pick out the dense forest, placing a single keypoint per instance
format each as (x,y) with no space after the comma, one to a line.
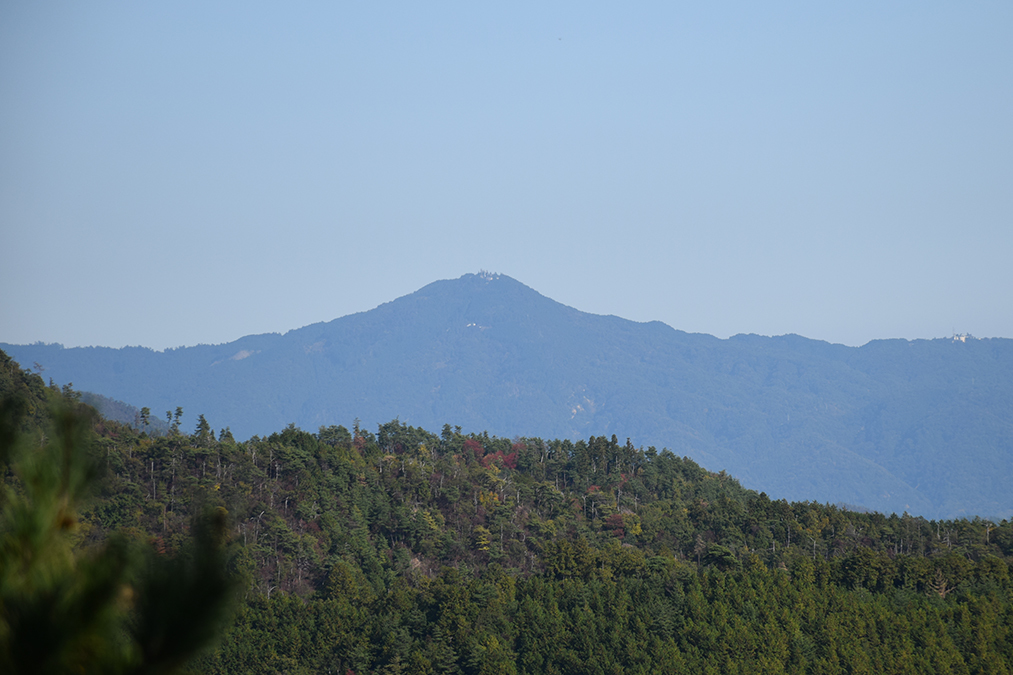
(403,550)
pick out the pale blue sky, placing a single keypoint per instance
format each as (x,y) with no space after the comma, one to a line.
(196,172)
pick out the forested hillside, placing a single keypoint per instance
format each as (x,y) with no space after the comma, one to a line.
(408,551)
(922,426)
(73,602)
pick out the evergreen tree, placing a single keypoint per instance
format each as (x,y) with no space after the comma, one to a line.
(116,606)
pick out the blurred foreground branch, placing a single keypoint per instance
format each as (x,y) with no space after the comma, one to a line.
(116,608)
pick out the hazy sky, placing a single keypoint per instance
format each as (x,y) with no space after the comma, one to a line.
(178,173)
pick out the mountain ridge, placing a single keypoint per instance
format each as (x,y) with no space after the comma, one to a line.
(799,418)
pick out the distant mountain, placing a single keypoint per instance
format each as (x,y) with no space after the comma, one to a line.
(923,426)
(125,413)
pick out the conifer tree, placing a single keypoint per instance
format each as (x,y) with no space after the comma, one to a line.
(116,608)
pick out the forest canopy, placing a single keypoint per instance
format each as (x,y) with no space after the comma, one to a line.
(404,550)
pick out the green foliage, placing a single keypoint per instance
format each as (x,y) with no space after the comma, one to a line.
(110,606)
(407,551)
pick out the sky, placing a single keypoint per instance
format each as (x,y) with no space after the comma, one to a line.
(190,172)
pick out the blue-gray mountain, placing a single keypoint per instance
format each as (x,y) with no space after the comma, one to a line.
(922,426)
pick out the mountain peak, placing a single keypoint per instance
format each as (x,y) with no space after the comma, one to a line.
(485,278)
(488,353)
(485,289)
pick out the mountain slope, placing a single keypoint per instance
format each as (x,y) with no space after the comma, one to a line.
(923,426)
